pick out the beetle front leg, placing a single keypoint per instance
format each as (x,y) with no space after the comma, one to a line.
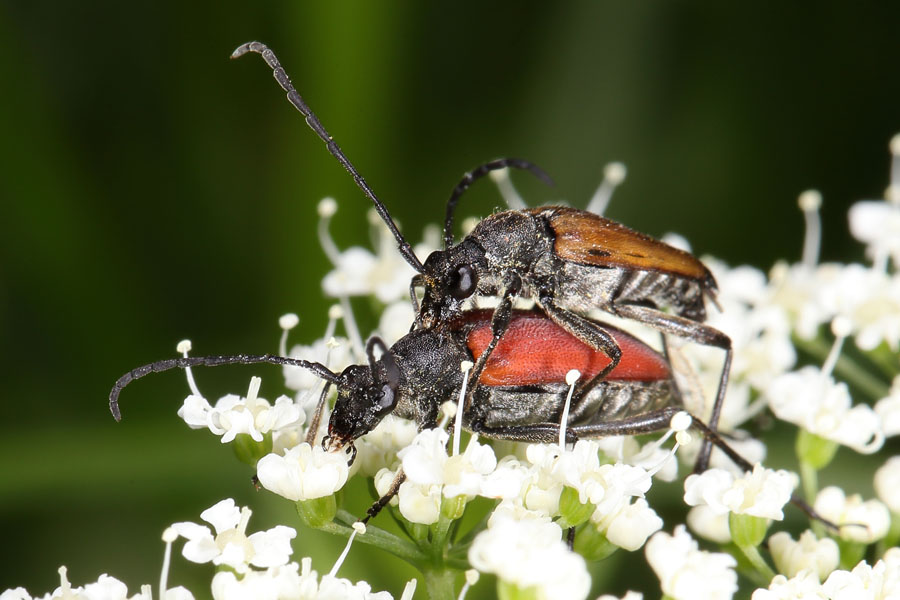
(499,325)
(697,332)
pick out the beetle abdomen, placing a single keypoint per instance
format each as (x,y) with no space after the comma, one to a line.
(537,351)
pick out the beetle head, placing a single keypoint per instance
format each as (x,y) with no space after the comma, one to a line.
(451,277)
(365,396)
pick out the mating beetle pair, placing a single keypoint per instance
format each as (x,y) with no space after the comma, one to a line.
(569,262)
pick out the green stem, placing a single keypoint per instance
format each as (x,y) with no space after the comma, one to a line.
(846,368)
(756,559)
(379,538)
(440,583)
(809,478)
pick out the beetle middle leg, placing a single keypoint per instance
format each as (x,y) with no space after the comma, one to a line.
(700,333)
(589,332)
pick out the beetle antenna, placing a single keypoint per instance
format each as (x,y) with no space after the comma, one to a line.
(312,120)
(476,174)
(212,361)
(392,371)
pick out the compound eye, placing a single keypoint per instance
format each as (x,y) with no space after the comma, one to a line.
(386,398)
(463,282)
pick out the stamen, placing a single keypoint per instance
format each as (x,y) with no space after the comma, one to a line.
(327,208)
(571,377)
(448,409)
(810,201)
(471,579)
(679,425)
(409,589)
(253,391)
(147,592)
(352,330)
(335,314)
(358,527)
(504,184)
(64,582)
(305,566)
(613,175)
(841,327)
(286,322)
(183,347)
(893,192)
(465,366)
(168,536)
(245,519)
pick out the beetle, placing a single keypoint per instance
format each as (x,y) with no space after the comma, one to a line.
(568,261)
(520,395)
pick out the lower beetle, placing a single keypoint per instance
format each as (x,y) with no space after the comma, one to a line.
(520,395)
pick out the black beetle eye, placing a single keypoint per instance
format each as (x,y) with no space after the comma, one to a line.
(463,281)
(386,401)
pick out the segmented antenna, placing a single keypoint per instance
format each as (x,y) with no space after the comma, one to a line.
(212,361)
(312,120)
(476,174)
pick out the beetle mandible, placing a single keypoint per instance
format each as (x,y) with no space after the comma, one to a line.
(568,261)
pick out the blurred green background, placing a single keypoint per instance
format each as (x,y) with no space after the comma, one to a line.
(152,190)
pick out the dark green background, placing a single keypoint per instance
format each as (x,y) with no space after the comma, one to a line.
(153,190)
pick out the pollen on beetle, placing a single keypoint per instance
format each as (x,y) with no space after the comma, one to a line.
(183,347)
(288,321)
(327,207)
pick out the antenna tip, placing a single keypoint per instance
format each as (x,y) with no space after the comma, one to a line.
(242,50)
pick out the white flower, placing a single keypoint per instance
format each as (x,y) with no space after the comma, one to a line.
(378,448)
(627,596)
(395,320)
(821,406)
(820,557)
(336,356)
(507,481)
(425,462)
(760,493)
(303,473)
(280,583)
(530,553)
(864,522)
(888,410)
(105,588)
(630,526)
(231,546)
(710,524)
(877,224)
(685,572)
(878,582)
(233,415)
(420,503)
(887,484)
(804,586)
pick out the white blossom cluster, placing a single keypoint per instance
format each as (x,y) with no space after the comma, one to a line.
(789,329)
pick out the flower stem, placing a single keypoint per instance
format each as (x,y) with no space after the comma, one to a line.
(440,583)
(379,538)
(809,477)
(846,368)
(756,559)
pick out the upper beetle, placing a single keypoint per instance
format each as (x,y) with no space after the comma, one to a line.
(568,261)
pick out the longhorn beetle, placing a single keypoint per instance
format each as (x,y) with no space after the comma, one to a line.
(519,396)
(568,261)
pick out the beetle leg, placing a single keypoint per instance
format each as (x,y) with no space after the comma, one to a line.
(379,504)
(698,332)
(538,433)
(416,282)
(589,332)
(499,325)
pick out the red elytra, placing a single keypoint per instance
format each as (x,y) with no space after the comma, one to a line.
(535,350)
